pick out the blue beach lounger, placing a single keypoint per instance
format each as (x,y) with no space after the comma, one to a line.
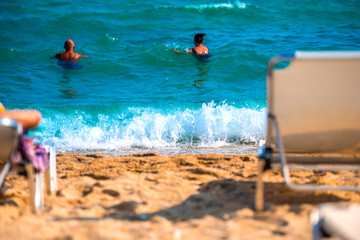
(313,120)
(15,156)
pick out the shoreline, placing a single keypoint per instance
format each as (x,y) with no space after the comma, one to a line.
(243,149)
(153,196)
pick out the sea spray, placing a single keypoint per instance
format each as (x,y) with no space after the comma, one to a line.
(212,125)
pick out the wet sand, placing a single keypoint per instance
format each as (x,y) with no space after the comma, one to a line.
(151,196)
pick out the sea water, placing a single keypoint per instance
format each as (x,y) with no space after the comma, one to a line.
(133,93)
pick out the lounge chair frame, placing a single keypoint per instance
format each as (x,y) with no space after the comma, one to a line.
(35,179)
(274,152)
(17,130)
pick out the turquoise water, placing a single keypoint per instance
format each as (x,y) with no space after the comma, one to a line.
(134,93)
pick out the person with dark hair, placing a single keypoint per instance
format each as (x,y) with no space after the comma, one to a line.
(69,54)
(199,49)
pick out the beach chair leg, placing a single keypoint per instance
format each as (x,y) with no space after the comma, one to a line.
(30,174)
(36,196)
(315,221)
(4,172)
(39,190)
(50,173)
(259,194)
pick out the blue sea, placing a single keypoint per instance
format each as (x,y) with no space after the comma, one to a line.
(134,94)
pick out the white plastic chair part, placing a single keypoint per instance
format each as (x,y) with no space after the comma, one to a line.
(50,174)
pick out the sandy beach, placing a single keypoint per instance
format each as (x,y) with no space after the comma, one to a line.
(151,196)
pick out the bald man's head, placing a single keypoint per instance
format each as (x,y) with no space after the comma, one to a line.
(69,44)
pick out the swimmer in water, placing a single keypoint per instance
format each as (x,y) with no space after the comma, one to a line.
(69,54)
(199,49)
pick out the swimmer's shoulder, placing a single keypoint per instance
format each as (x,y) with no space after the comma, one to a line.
(203,51)
(207,51)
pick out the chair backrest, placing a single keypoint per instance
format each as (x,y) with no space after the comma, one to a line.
(316,102)
(10,132)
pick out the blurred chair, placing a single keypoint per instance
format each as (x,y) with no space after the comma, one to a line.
(313,120)
(334,220)
(13,158)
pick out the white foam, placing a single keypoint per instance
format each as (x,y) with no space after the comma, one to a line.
(213,125)
(224,5)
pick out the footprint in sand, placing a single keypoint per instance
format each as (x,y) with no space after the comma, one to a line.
(111,192)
